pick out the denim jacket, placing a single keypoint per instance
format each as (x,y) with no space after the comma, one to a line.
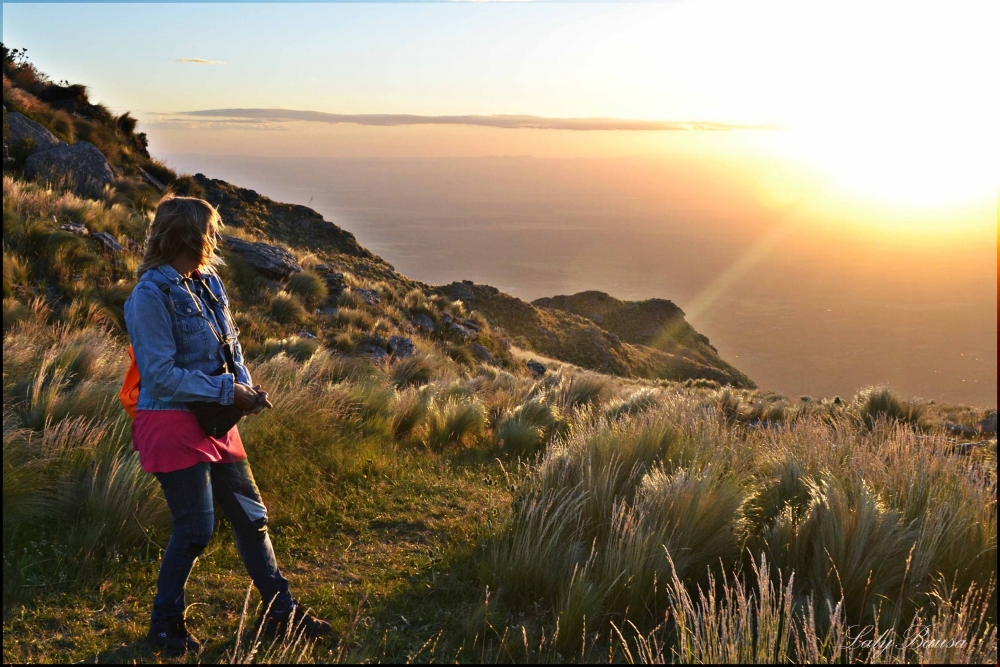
(175,334)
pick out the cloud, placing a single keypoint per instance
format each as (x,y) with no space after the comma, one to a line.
(198,61)
(500,121)
(212,124)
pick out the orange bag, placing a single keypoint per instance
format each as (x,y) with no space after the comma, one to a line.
(129,395)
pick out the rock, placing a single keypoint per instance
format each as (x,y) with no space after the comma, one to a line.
(82,162)
(369,296)
(376,352)
(75,228)
(481,353)
(270,260)
(969,448)
(471,324)
(335,281)
(152,180)
(401,347)
(989,425)
(960,429)
(329,311)
(306,334)
(108,242)
(21,128)
(537,367)
(462,291)
(423,322)
(461,331)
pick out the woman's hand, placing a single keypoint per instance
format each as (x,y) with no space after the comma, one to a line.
(244,397)
(262,401)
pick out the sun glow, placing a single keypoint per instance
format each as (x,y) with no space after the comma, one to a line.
(896,169)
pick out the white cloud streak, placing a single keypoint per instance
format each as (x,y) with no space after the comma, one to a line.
(498,121)
(198,61)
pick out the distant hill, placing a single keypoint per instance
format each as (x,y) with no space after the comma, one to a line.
(654,323)
(648,339)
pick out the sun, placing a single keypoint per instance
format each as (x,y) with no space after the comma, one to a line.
(901,170)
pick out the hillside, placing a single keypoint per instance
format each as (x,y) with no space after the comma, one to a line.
(654,322)
(583,337)
(430,490)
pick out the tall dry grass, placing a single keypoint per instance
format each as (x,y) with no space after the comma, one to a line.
(678,512)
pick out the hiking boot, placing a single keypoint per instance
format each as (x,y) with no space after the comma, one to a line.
(298,620)
(172,637)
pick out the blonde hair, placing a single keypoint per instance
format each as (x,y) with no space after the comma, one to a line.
(182,224)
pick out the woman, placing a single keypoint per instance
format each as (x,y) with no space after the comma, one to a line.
(187,351)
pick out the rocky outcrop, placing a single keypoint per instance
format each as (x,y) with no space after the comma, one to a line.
(109,244)
(83,163)
(23,131)
(989,424)
(335,281)
(369,296)
(375,351)
(74,228)
(270,260)
(423,322)
(481,353)
(537,367)
(401,347)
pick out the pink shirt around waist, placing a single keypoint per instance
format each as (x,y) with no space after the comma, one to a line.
(169,440)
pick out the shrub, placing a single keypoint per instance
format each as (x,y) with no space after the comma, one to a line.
(186,186)
(525,430)
(159,171)
(308,286)
(453,422)
(13,312)
(324,367)
(113,299)
(356,318)
(767,411)
(881,403)
(136,195)
(584,389)
(461,354)
(79,484)
(413,371)
(246,279)
(296,347)
(15,273)
(639,402)
(410,409)
(287,309)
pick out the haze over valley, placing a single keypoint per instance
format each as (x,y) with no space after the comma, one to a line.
(802,301)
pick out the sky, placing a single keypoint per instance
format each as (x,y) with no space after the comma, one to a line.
(912,85)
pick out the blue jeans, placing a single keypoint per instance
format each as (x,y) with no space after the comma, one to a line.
(191,494)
